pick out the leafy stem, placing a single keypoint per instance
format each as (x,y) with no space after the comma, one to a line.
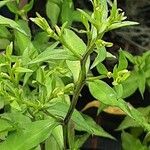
(79,85)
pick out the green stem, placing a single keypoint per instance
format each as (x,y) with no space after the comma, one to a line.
(78,87)
(51,115)
(65,133)
(96,78)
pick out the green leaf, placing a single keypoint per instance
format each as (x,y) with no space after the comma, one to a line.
(110,56)
(131,143)
(1,102)
(76,16)
(37,148)
(9,50)
(22,41)
(3,135)
(96,129)
(60,109)
(52,54)
(52,11)
(4,2)
(75,68)
(123,63)
(121,24)
(129,56)
(104,9)
(34,134)
(130,85)
(5,125)
(55,141)
(41,41)
(23,70)
(15,105)
(4,43)
(87,16)
(17,119)
(13,7)
(119,90)
(51,144)
(67,12)
(101,55)
(11,23)
(102,69)
(129,122)
(103,92)
(74,43)
(57,133)
(4,32)
(28,6)
(141,82)
(80,140)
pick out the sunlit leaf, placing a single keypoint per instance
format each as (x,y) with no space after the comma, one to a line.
(121,24)
(52,54)
(129,142)
(11,23)
(74,43)
(52,11)
(35,133)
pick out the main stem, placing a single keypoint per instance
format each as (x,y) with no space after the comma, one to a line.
(79,85)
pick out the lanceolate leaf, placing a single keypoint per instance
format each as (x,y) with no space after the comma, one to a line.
(21,69)
(36,133)
(96,129)
(11,23)
(75,44)
(4,32)
(104,93)
(123,63)
(141,82)
(130,85)
(4,43)
(52,11)
(102,69)
(121,24)
(22,41)
(80,140)
(129,122)
(101,55)
(105,9)
(5,125)
(75,68)
(4,2)
(52,54)
(60,109)
(51,144)
(129,142)
(82,123)
(57,133)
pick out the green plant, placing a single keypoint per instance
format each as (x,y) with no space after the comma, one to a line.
(140,76)
(136,133)
(42,75)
